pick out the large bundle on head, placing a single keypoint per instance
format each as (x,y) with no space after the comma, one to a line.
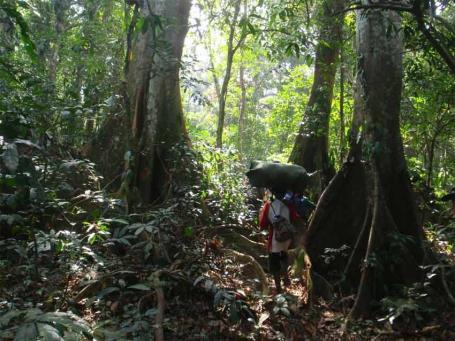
(280,176)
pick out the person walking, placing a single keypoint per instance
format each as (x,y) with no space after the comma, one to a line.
(271,211)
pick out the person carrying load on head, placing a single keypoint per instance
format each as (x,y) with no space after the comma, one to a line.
(278,217)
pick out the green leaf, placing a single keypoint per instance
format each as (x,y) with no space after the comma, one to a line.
(188,231)
(92,237)
(32,314)
(124,241)
(140,286)
(11,157)
(139,24)
(14,14)
(10,315)
(116,220)
(251,28)
(150,228)
(67,321)
(151,312)
(10,219)
(107,291)
(48,332)
(145,25)
(308,60)
(285,312)
(280,299)
(139,231)
(234,314)
(27,331)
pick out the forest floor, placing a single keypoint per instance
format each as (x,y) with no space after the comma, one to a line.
(162,274)
(202,293)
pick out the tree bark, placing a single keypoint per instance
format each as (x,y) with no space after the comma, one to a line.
(342,118)
(232,48)
(216,81)
(311,147)
(7,37)
(242,110)
(373,179)
(60,8)
(431,149)
(153,92)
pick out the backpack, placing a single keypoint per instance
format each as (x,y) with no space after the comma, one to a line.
(282,228)
(303,206)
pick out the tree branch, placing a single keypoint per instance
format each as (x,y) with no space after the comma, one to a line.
(383,6)
(426,29)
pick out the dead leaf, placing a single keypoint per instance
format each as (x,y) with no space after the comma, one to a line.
(310,328)
(115,307)
(264,316)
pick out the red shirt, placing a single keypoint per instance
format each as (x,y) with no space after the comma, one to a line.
(264,221)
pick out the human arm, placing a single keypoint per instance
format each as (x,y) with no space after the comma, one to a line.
(263,216)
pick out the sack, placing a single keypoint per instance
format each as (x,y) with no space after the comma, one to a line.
(282,228)
(278,176)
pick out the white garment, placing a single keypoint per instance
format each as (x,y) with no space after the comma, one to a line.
(278,208)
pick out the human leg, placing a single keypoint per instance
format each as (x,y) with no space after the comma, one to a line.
(275,268)
(284,264)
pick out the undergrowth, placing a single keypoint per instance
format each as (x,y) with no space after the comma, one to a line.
(75,265)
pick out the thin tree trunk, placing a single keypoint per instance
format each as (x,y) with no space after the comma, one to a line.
(61,8)
(231,49)
(216,81)
(7,37)
(242,108)
(311,147)
(431,160)
(342,118)
(439,128)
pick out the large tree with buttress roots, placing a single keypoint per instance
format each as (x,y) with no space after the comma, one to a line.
(364,233)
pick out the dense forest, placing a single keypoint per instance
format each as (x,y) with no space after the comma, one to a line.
(140,140)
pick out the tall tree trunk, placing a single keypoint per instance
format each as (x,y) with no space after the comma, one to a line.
(7,37)
(60,8)
(242,108)
(369,205)
(153,90)
(311,147)
(216,81)
(431,149)
(342,116)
